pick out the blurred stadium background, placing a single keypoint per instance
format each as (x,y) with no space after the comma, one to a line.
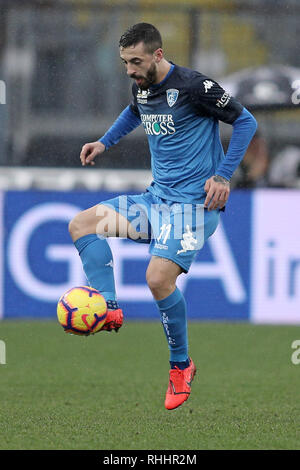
(62,85)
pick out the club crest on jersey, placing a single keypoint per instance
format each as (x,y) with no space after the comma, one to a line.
(172,95)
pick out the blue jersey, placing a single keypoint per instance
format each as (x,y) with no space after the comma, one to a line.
(180,116)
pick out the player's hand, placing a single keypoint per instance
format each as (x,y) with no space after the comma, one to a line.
(90,151)
(217,189)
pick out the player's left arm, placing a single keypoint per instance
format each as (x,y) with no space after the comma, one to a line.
(212,100)
(217,187)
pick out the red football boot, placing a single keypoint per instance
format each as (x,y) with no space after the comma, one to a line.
(114,320)
(179,388)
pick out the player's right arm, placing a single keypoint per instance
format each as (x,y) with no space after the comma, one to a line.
(90,151)
(128,120)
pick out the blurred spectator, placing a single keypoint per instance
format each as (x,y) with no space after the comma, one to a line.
(252,171)
(285,168)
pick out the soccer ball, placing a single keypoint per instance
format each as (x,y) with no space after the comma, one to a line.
(82,311)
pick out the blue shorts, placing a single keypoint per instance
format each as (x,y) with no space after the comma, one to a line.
(176,231)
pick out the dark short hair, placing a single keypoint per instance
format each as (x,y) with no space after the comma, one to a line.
(142,32)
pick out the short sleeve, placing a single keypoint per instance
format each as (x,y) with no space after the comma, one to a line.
(210,99)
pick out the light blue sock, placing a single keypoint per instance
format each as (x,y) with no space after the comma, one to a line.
(174,320)
(97,262)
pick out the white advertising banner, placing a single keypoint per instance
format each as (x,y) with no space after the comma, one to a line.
(249,270)
(1,256)
(275,263)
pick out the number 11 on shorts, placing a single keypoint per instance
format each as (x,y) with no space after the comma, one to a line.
(165,230)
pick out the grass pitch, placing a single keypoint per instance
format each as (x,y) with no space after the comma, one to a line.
(107,391)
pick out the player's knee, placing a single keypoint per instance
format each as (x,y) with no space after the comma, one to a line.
(157,282)
(76,227)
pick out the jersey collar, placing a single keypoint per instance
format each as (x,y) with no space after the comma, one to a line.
(155,86)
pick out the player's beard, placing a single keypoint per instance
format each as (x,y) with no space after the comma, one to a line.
(149,79)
